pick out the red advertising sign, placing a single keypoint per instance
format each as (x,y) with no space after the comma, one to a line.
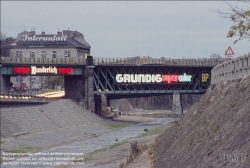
(22,70)
(64,70)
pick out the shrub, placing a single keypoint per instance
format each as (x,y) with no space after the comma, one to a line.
(232,103)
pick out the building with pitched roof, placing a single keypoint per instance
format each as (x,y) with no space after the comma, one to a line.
(65,44)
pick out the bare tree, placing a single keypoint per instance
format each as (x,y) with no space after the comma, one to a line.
(3,37)
(241,19)
(4,49)
(215,56)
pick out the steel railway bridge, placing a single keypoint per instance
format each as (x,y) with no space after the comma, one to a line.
(115,77)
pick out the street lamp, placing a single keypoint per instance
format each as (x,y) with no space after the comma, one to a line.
(30,85)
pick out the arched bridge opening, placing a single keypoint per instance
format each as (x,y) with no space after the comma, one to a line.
(36,80)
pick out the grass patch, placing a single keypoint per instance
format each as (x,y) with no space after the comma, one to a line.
(151,150)
(232,103)
(48,90)
(151,132)
(239,80)
(117,126)
(108,147)
(117,144)
(136,149)
(26,149)
(226,92)
(1,142)
(83,159)
(243,88)
(122,165)
(98,150)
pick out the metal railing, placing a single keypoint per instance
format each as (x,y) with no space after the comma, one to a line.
(57,61)
(25,97)
(149,61)
(112,61)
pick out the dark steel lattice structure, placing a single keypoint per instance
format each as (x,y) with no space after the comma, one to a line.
(105,80)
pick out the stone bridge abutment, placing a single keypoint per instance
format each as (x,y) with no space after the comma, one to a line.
(5,84)
(81,88)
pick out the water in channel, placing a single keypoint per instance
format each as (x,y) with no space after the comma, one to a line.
(66,153)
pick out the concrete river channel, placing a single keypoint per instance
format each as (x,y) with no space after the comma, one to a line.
(65,154)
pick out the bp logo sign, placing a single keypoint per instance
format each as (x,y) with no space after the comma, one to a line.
(205,78)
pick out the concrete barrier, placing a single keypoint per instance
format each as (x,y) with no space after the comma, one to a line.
(238,68)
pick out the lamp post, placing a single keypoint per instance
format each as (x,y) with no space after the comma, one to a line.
(41,82)
(30,85)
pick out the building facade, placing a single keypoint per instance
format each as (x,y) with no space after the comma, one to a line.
(60,45)
(65,44)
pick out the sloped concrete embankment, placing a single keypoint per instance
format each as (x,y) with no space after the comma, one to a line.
(215,132)
(27,118)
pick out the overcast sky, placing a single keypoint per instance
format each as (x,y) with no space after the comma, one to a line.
(171,29)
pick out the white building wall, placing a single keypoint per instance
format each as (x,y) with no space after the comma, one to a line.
(37,51)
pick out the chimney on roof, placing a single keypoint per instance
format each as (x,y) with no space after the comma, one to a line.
(32,33)
(43,33)
(9,40)
(59,33)
(66,32)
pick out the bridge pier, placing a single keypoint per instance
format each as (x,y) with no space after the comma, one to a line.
(74,86)
(89,97)
(81,88)
(98,102)
(5,84)
(176,106)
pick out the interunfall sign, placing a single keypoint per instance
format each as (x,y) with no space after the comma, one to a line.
(152,78)
(44,38)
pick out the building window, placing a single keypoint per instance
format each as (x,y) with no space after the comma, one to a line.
(43,54)
(19,53)
(85,55)
(67,54)
(53,54)
(32,54)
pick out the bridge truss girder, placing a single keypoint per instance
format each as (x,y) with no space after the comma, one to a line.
(105,82)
